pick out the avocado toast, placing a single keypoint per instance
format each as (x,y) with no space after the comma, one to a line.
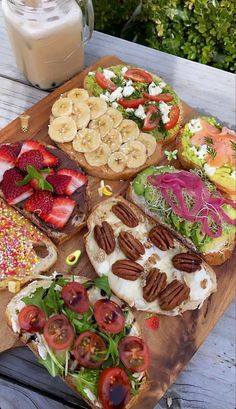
(189,204)
(141,96)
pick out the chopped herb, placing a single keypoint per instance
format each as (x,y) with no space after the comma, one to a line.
(209,140)
(234,147)
(211,151)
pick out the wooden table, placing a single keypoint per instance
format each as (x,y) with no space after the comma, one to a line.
(208,382)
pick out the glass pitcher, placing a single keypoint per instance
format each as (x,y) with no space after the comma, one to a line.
(48,36)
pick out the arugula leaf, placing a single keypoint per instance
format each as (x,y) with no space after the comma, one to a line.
(49,300)
(82,322)
(103,283)
(112,349)
(36,299)
(49,364)
(87,378)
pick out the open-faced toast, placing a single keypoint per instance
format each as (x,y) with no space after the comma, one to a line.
(141,96)
(85,373)
(207,226)
(46,186)
(25,252)
(145,264)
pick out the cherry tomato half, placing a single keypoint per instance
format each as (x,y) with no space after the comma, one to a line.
(31,318)
(109,316)
(90,350)
(75,297)
(152,120)
(158,98)
(104,82)
(134,353)
(131,103)
(138,75)
(174,116)
(113,388)
(58,332)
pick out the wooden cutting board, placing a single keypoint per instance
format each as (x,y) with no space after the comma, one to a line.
(178,338)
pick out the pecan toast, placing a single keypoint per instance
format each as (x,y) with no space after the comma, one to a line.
(146,264)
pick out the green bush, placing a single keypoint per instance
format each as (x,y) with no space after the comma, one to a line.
(200,30)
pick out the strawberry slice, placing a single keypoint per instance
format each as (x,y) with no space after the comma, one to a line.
(49,160)
(13,193)
(153,322)
(40,202)
(60,183)
(7,159)
(60,213)
(33,158)
(77,180)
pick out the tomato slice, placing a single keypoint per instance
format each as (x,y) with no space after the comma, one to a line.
(104,82)
(75,297)
(158,98)
(109,316)
(152,119)
(31,318)
(174,116)
(90,350)
(58,332)
(134,353)
(138,75)
(113,388)
(131,103)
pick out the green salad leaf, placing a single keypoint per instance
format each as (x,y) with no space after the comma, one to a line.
(103,283)
(87,378)
(81,322)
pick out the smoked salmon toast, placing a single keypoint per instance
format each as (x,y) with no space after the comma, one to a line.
(204,144)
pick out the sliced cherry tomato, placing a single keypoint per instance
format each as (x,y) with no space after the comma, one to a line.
(131,103)
(134,353)
(90,350)
(75,297)
(152,119)
(109,316)
(158,98)
(58,332)
(31,318)
(174,116)
(104,82)
(113,388)
(138,75)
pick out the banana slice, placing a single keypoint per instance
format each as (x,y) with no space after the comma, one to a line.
(149,141)
(113,139)
(117,161)
(129,130)
(98,157)
(78,95)
(97,107)
(81,114)
(87,140)
(135,152)
(115,115)
(62,107)
(62,129)
(103,124)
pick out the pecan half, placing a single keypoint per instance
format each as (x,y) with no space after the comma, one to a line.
(104,237)
(188,262)
(127,269)
(161,238)
(130,246)
(155,283)
(125,214)
(173,295)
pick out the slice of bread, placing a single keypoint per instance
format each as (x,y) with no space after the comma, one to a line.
(131,290)
(16,304)
(27,251)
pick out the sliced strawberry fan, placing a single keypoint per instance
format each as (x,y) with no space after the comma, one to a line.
(60,213)
(7,159)
(49,160)
(13,193)
(77,180)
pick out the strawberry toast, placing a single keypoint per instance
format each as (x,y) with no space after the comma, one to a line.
(45,185)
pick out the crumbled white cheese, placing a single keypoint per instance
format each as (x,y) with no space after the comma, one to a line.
(201,152)
(108,74)
(129,82)
(129,109)
(162,84)
(104,97)
(140,113)
(165,109)
(123,70)
(91,73)
(154,89)
(114,105)
(117,94)
(195,125)
(210,170)
(233,174)
(58,287)
(128,90)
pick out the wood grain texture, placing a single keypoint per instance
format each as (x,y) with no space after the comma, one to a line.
(179,337)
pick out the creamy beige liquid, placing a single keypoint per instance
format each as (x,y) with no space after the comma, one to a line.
(48,50)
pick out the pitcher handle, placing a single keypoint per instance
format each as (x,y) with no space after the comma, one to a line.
(88,18)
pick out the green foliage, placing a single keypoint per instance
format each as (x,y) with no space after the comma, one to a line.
(200,30)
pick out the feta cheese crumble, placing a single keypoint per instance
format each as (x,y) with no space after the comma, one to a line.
(201,152)
(165,109)
(233,174)
(129,109)
(117,94)
(195,125)
(162,84)
(123,70)
(210,170)
(128,90)
(114,105)
(154,89)
(140,113)
(108,74)
(91,73)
